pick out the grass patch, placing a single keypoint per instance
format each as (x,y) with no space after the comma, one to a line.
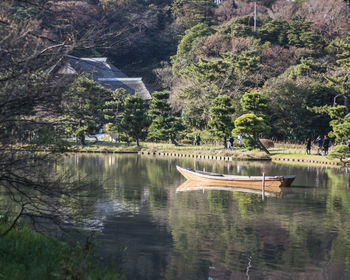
(210,150)
(280,150)
(105,146)
(25,254)
(298,152)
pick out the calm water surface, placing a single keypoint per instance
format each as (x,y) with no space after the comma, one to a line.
(304,234)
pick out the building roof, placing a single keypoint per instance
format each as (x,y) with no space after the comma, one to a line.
(105,74)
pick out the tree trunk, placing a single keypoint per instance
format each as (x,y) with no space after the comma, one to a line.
(173,139)
(225,142)
(82,139)
(262,147)
(346,103)
(137,142)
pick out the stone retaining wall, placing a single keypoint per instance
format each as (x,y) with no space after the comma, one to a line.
(307,161)
(226,158)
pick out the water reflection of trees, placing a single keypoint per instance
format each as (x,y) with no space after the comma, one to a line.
(289,239)
(219,233)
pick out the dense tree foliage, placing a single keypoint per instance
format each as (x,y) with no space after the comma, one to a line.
(164,125)
(133,120)
(286,59)
(220,122)
(34,37)
(254,102)
(83,107)
(252,126)
(297,59)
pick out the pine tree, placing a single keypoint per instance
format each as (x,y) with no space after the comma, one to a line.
(251,125)
(133,121)
(164,124)
(83,106)
(254,102)
(220,121)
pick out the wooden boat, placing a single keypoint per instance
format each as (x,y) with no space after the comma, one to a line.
(272,183)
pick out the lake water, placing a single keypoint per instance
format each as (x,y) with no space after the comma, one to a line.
(304,234)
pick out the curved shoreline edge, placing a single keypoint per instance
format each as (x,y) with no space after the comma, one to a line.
(210,157)
(228,158)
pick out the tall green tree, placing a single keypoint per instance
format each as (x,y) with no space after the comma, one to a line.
(113,109)
(164,125)
(344,53)
(221,122)
(133,120)
(190,13)
(252,126)
(254,102)
(342,83)
(83,106)
(341,127)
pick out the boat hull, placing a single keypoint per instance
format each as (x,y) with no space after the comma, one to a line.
(272,183)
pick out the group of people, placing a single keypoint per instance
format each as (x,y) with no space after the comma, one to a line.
(231,140)
(322,145)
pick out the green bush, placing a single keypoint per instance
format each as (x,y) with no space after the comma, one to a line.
(341,152)
(25,254)
(250,143)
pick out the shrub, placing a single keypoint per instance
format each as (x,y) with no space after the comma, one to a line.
(25,254)
(268,143)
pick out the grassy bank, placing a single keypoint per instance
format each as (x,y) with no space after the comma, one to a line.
(25,254)
(297,151)
(105,146)
(279,151)
(210,150)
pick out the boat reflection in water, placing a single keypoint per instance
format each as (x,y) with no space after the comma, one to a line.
(193,185)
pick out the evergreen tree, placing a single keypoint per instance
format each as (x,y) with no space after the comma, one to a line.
(340,152)
(344,53)
(190,13)
(342,86)
(83,106)
(252,126)
(164,125)
(341,127)
(275,31)
(220,122)
(254,102)
(113,108)
(133,121)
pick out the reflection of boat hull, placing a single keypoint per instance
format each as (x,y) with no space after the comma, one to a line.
(191,185)
(272,183)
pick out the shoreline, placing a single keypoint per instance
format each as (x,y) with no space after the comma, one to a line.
(205,153)
(230,158)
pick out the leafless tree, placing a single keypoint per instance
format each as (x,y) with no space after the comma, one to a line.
(329,17)
(35,36)
(233,8)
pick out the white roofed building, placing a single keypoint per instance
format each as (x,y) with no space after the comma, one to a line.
(103,72)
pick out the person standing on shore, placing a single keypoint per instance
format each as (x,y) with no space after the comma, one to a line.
(325,145)
(240,139)
(318,143)
(230,143)
(198,139)
(308,146)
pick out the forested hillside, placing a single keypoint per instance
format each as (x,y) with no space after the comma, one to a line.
(199,50)
(297,58)
(294,58)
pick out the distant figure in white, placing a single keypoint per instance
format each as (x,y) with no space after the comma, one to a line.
(240,139)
